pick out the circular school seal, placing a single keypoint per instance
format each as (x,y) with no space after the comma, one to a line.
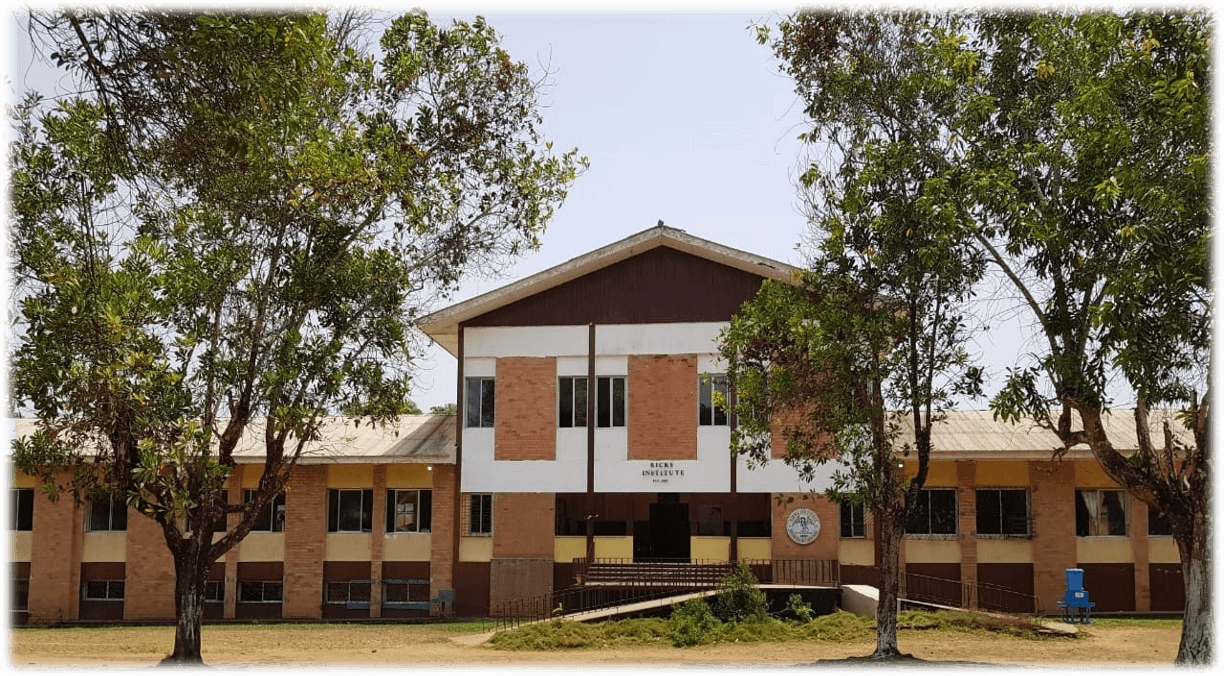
(803,526)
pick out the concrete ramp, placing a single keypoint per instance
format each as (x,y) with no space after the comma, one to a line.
(634,608)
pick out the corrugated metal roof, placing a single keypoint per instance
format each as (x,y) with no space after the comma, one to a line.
(978,433)
(410,439)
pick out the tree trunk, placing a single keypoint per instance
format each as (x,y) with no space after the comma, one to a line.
(891,528)
(190,576)
(1195,647)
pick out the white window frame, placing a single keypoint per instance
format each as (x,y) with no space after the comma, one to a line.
(393,513)
(478,419)
(707,384)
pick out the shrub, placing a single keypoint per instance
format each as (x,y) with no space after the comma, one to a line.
(692,623)
(802,611)
(740,599)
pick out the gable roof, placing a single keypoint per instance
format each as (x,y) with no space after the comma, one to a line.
(443,326)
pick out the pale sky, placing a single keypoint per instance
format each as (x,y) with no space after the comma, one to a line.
(685,119)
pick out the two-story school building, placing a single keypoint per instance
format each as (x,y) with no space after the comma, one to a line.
(587,434)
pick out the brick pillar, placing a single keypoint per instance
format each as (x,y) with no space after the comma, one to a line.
(966,483)
(305,542)
(55,559)
(377,531)
(526,422)
(149,588)
(1140,551)
(231,557)
(662,409)
(444,525)
(1054,546)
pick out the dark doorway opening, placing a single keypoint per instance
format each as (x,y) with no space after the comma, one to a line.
(666,535)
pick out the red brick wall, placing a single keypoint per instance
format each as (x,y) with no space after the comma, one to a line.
(523,525)
(1141,551)
(55,556)
(966,521)
(662,407)
(441,541)
(825,544)
(525,409)
(305,541)
(1053,505)
(149,588)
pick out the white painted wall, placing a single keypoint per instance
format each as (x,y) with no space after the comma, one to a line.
(614,472)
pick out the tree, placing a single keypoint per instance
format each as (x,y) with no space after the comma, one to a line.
(1094,162)
(1075,156)
(237,219)
(446,409)
(870,338)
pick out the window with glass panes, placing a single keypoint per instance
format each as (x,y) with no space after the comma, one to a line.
(1100,512)
(934,513)
(22,516)
(478,402)
(708,411)
(107,514)
(350,510)
(271,519)
(409,510)
(1002,511)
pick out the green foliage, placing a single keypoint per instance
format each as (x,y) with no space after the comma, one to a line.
(241,217)
(700,627)
(692,623)
(801,610)
(740,598)
(445,409)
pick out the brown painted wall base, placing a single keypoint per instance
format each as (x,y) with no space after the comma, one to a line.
(472,589)
(1168,590)
(998,580)
(1111,586)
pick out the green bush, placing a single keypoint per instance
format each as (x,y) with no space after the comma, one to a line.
(692,623)
(802,611)
(740,599)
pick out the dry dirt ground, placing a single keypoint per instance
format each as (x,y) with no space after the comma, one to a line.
(432,646)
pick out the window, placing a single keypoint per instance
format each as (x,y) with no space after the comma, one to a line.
(480,514)
(709,413)
(409,511)
(214,591)
(610,401)
(350,511)
(103,590)
(271,519)
(21,594)
(853,524)
(478,402)
(572,402)
(353,594)
(407,594)
(1158,523)
(1002,512)
(23,509)
(260,592)
(934,513)
(107,514)
(1100,513)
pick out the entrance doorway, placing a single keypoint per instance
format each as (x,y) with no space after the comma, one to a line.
(666,535)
